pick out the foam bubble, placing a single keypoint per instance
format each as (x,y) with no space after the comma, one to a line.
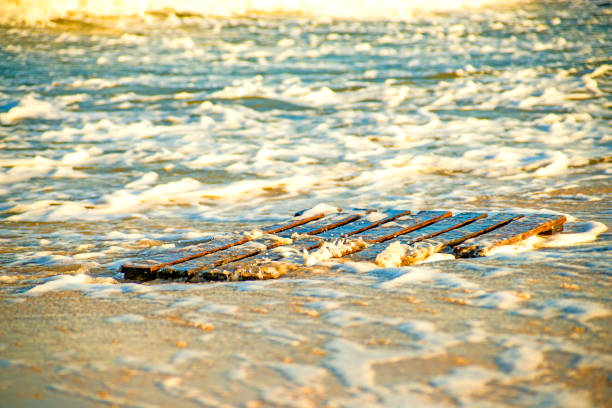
(575,309)
(589,232)
(126,318)
(30,107)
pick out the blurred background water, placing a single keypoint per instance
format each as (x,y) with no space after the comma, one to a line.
(136,126)
(123,127)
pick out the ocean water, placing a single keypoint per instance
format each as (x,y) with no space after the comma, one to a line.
(131,125)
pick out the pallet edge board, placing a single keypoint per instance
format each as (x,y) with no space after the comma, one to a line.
(465,234)
(351,244)
(328,222)
(350,225)
(364,224)
(413,222)
(337,219)
(444,225)
(513,232)
(265,265)
(410,254)
(151,265)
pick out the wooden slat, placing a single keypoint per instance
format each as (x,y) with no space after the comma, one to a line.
(326,223)
(237,252)
(363,224)
(437,228)
(146,267)
(402,225)
(256,264)
(509,234)
(282,247)
(424,248)
(208,266)
(265,265)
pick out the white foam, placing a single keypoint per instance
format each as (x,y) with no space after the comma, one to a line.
(522,361)
(392,255)
(590,231)
(428,341)
(29,107)
(187,356)
(376,216)
(79,282)
(391,278)
(506,300)
(353,363)
(302,374)
(222,309)
(320,208)
(322,293)
(126,318)
(335,249)
(23,11)
(463,381)
(102,286)
(580,310)
(178,43)
(143,182)
(268,329)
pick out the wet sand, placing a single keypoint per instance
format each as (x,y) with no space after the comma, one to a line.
(127,133)
(500,330)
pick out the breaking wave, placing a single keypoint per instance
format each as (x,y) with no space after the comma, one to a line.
(30,12)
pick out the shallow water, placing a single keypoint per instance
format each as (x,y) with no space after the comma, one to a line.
(122,133)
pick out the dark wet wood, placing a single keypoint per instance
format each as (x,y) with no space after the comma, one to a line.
(231,254)
(277,261)
(265,265)
(437,228)
(284,247)
(248,249)
(340,224)
(509,234)
(326,223)
(147,267)
(422,249)
(400,226)
(363,224)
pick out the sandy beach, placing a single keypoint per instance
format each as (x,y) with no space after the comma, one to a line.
(126,132)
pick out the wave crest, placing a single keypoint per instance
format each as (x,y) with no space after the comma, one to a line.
(34,12)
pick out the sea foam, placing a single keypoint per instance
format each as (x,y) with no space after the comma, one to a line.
(31,12)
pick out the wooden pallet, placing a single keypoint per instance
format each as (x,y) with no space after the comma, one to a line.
(359,235)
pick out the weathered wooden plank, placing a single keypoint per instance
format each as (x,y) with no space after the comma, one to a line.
(326,223)
(357,234)
(444,225)
(409,254)
(237,252)
(372,220)
(265,265)
(281,260)
(144,269)
(509,234)
(231,254)
(360,241)
(400,226)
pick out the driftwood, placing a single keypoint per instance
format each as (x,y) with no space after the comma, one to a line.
(360,235)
